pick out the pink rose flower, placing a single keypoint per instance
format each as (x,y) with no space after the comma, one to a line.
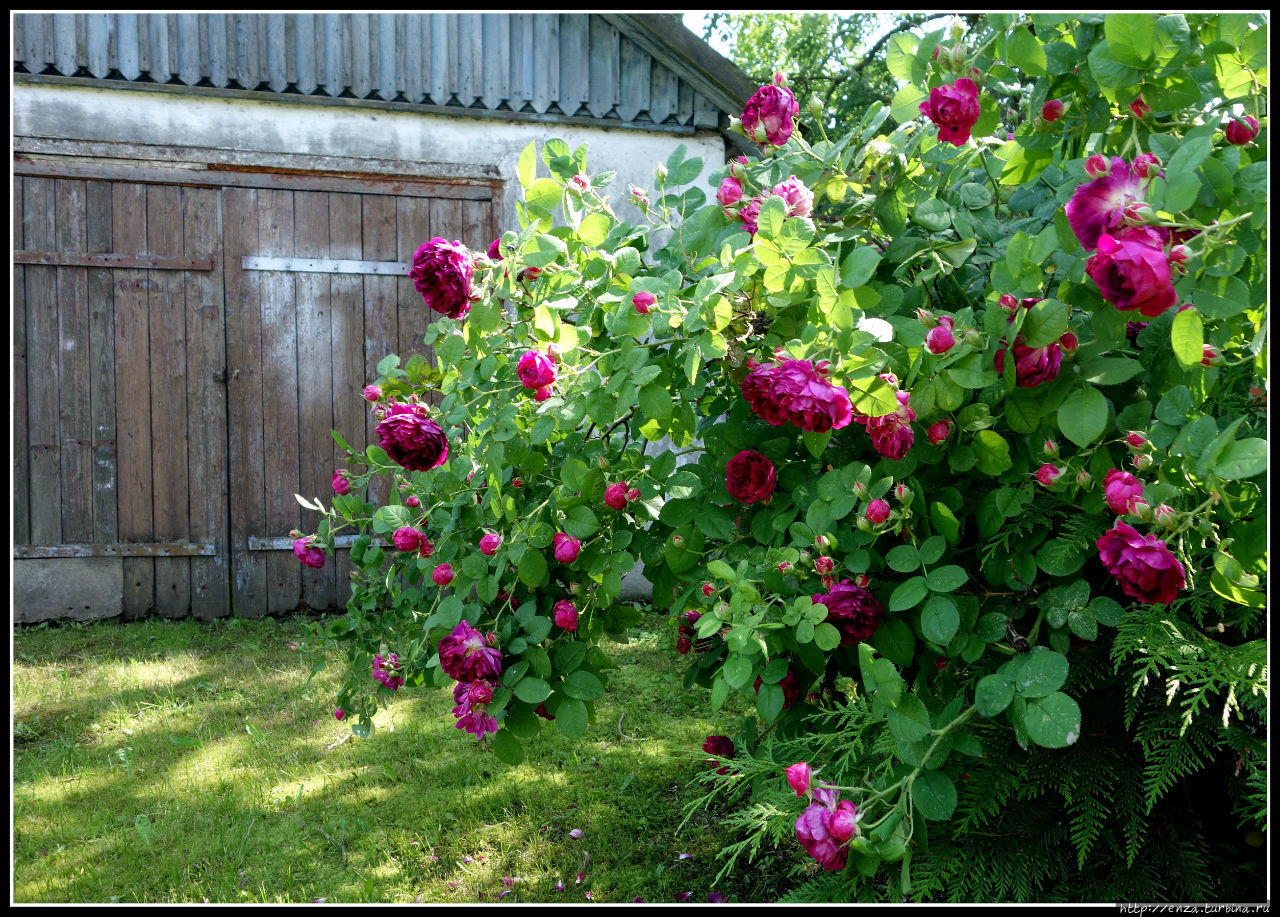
(536,369)
(769,115)
(341,486)
(466,656)
(941,338)
(1048,475)
(1032,365)
(891,434)
(442,272)
(799,198)
(749,214)
(412,439)
(1143,565)
(489,543)
(954,109)
(1121,489)
(811,402)
(565,615)
(470,700)
(406,538)
(387,671)
(938,432)
(826,826)
(799,776)
(1132,272)
(1052,110)
(306,551)
(722,746)
(643,301)
(566,547)
(750,477)
(339,714)
(615,495)
(730,191)
(1240,131)
(372,393)
(877,511)
(442,575)
(1099,206)
(1139,108)
(851,609)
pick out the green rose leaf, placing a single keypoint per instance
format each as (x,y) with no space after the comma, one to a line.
(1083,415)
(583,685)
(993,694)
(571,717)
(909,721)
(934,794)
(507,747)
(532,690)
(1053,721)
(908,594)
(939,619)
(1041,673)
(1188,337)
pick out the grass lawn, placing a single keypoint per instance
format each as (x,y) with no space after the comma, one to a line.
(176,761)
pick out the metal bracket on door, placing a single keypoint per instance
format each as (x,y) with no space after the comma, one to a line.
(324,266)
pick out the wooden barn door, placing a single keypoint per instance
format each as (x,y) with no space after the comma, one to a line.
(120,460)
(317,294)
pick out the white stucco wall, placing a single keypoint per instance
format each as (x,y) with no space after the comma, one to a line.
(173,119)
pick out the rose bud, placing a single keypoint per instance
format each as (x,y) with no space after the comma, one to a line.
(877,511)
(341,485)
(517,483)
(820,542)
(489,543)
(643,301)
(1136,440)
(339,714)
(615,495)
(859,490)
(372,393)
(1096,166)
(633,494)
(442,575)
(784,566)
(1143,462)
(940,339)
(1240,131)
(1068,342)
(1139,108)
(1140,508)
(1211,356)
(824,564)
(406,538)
(1050,448)
(412,502)
(1180,255)
(708,590)
(1165,515)
(862,581)
(939,432)
(798,778)
(903,493)
(1052,110)
(927,318)
(567,548)
(1048,475)
(1084,479)
(565,615)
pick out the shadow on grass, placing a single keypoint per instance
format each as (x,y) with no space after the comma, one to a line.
(213,773)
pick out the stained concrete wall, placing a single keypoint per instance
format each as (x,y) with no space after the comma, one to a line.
(79,588)
(173,119)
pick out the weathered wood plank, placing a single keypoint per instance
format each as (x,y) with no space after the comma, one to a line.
(128,51)
(346,324)
(315,381)
(664,93)
(522,62)
(110,260)
(386,77)
(133,397)
(439,75)
(158,44)
(170,429)
(21,455)
(244,394)
(64,43)
(409,56)
(277,58)
(335,58)
(546,64)
(150,549)
(304,37)
(279,416)
(633,81)
(494,54)
(102,364)
(44,438)
(206,403)
(603,93)
(471,52)
(188,25)
(219,59)
(414,226)
(361,55)
(75,425)
(247,66)
(575,62)
(378,225)
(98,27)
(218,175)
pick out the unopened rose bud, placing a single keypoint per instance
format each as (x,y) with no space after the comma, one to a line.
(903,493)
(824,564)
(372,393)
(412,502)
(643,302)
(1146,165)
(862,580)
(677,540)
(1240,131)
(1143,462)
(859,490)
(1069,342)
(1180,254)
(1084,480)
(877,511)
(784,566)
(1211,356)
(1165,516)
(1052,110)
(972,338)
(927,318)
(660,172)
(633,494)
(1140,508)
(1009,303)
(1139,108)
(820,542)
(581,181)
(708,590)
(1050,448)
(805,557)
(864,525)
(1096,166)
(815,107)
(602,462)
(517,483)
(1136,440)
(1140,213)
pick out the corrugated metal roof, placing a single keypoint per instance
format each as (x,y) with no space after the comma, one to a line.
(549,66)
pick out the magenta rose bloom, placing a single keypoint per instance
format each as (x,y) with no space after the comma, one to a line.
(1032,366)
(441,272)
(495,250)
(730,191)
(1143,565)
(387,671)
(799,198)
(466,656)
(810,401)
(852,610)
(941,338)
(341,486)
(769,115)
(566,547)
(1132,272)
(955,109)
(372,393)
(1120,490)
(536,369)
(413,440)
(749,214)
(750,477)
(406,539)
(760,391)
(877,512)
(305,550)
(1048,475)
(615,495)
(825,828)
(799,776)
(891,434)
(1052,110)
(1240,131)
(643,301)
(565,615)
(442,575)
(470,701)
(722,746)
(939,432)
(489,543)
(1099,206)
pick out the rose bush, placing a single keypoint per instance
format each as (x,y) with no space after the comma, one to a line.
(740,408)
